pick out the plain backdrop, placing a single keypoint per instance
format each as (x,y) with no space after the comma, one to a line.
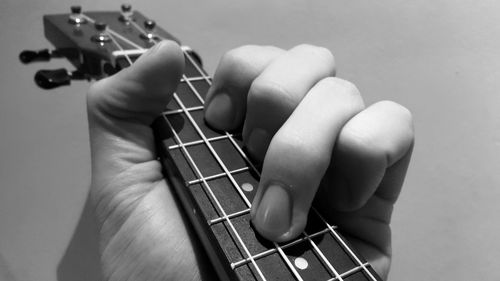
(439,58)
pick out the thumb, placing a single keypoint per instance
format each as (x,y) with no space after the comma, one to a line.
(122,107)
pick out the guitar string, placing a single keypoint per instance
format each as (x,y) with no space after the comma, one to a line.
(227,172)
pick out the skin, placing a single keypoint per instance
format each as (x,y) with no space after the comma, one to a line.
(354,157)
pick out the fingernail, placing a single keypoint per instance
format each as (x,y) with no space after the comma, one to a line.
(219,112)
(257,143)
(274,213)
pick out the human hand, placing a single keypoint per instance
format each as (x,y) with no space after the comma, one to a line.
(315,138)
(143,235)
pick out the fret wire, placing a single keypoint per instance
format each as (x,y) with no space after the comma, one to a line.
(218,175)
(342,242)
(174,146)
(209,189)
(197,67)
(195,92)
(177,111)
(280,251)
(198,78)
(230,216)
(323,258)
(274,250)
(350,271)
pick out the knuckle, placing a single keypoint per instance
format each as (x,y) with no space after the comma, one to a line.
(346,90)
(267,91)
(314,159)
(237,56)
(320,53)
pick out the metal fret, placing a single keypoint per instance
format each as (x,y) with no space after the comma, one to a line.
(192,79)
(344,245)
(198,142)
(177,111)
(274,250)
(230,216)
(217,176)
(350,272)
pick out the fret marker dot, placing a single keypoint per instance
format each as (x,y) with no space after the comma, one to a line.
(301,263)
(247,187)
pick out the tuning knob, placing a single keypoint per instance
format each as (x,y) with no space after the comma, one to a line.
(101,36)
(149,26)
(49,79)
(127,13)
(76,16)
(28,56)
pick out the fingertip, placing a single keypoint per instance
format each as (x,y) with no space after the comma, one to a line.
(162,64)
(220,112)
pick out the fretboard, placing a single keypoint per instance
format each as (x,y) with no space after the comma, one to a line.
(216,183)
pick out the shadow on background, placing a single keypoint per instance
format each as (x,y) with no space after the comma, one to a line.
(81,259)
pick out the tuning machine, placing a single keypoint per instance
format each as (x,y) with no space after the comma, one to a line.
(76,17)
(29,56)
(127,13)
(49,79)
(149,28)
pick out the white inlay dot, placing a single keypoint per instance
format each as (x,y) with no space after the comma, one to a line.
(247,187)
(301,263)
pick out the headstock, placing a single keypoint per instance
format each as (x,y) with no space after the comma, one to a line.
(98,44)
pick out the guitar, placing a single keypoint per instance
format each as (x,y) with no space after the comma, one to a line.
(209,170)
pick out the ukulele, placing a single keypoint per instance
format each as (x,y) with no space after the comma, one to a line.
(209,170)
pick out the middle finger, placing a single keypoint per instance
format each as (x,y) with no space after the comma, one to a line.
(276,92)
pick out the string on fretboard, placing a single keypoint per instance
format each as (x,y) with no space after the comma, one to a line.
(223,180)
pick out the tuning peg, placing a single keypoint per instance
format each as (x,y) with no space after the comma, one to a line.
(149,35)
(76,16)
(28,56)
(101,36)
(127,13)
(49,79)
